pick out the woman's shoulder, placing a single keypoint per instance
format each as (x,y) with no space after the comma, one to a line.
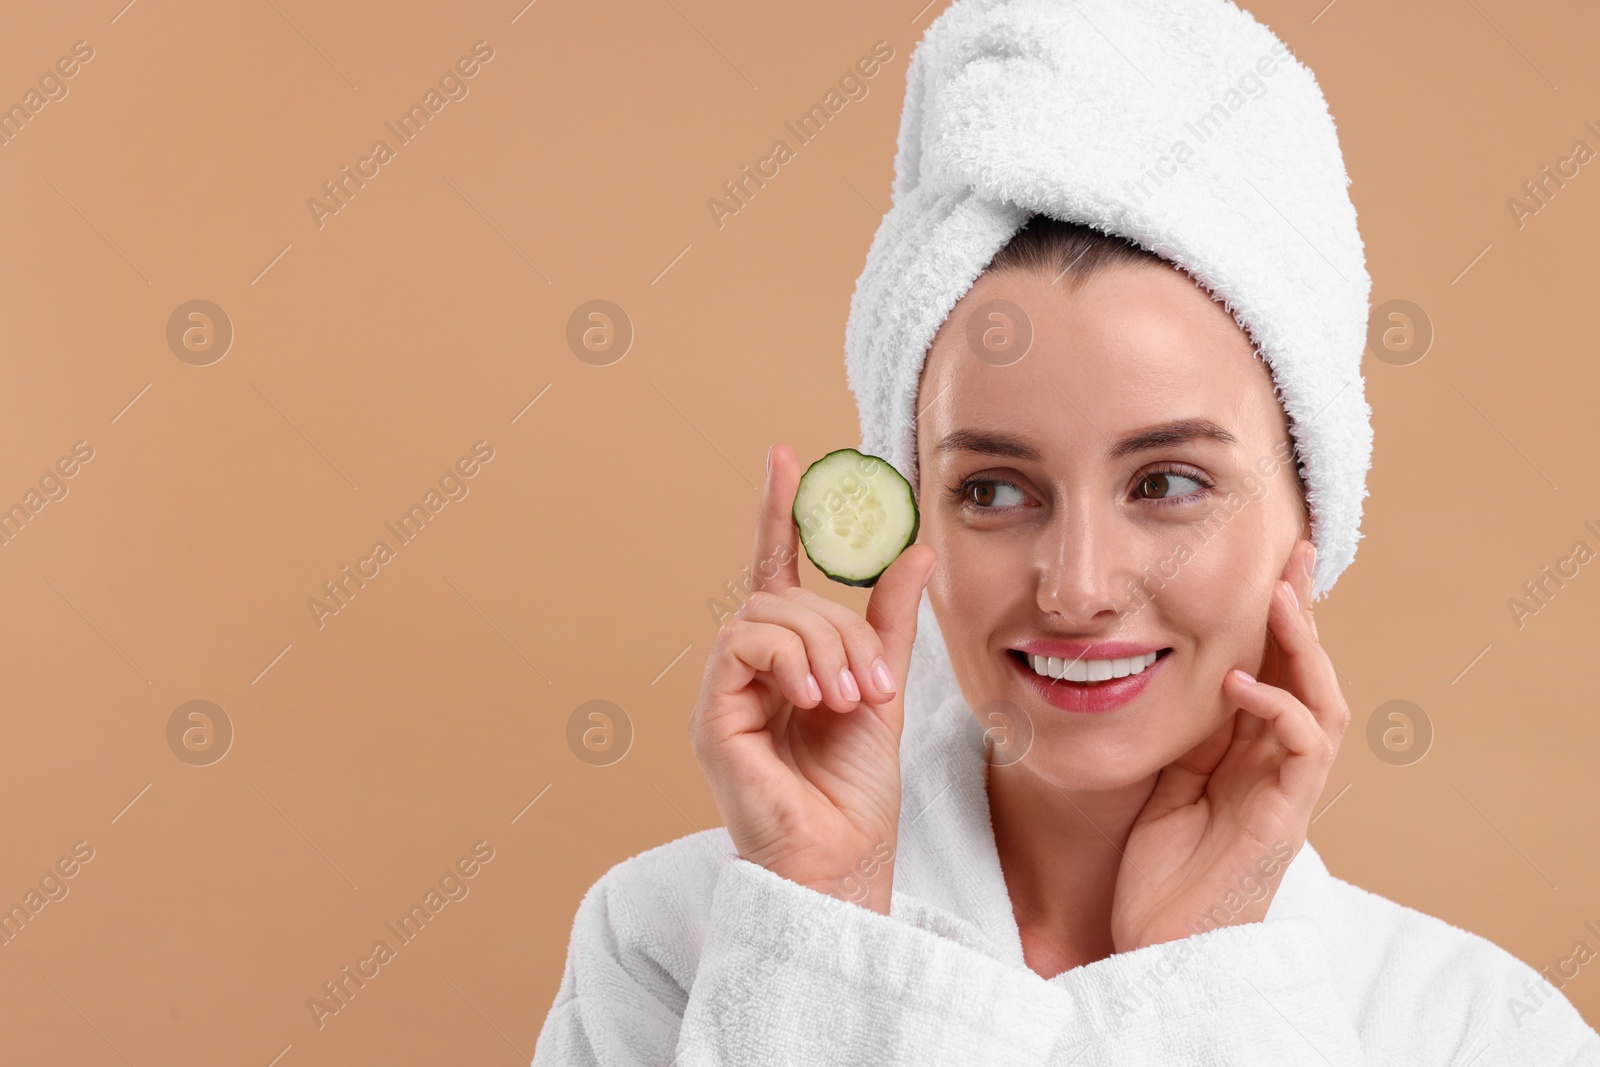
(1450,979)
(677,876)
(1402,941)
(650,910)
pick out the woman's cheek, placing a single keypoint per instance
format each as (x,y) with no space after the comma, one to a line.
(1218,595)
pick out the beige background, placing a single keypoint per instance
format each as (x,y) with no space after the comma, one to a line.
(369,354)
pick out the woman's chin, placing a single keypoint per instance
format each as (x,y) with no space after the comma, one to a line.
(1076,766)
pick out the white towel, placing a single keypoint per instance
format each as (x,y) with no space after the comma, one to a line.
(687,955)
(1065,108)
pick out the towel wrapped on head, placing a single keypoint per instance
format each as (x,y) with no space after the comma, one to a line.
(1185,126)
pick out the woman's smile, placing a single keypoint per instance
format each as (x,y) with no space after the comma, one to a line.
(1081,661)
(1107,684)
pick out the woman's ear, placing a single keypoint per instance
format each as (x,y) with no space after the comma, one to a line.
(1302,532)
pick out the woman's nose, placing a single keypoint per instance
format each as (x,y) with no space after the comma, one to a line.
(1086,567)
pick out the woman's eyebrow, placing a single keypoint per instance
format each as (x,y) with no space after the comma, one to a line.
(988,443)
(997,443)
(1177,432)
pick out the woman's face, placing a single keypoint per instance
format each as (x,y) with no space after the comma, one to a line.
(1070,498)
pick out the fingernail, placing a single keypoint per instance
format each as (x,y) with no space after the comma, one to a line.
(1311,561)
(812,688)
(926,578)
(1294,601)
(769,461)
(881,675)
(1243,677)
(847,682)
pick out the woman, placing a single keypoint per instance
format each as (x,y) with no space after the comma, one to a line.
(1047,802)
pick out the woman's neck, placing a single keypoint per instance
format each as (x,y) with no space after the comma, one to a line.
(1060,852)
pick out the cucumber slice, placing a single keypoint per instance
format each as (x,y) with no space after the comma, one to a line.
(856,514)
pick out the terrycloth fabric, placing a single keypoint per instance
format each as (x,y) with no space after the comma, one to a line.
(687,955)
(1184,125)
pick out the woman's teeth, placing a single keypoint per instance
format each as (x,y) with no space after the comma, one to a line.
(1090,670)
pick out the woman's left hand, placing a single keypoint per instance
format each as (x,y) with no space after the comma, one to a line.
(1225,818)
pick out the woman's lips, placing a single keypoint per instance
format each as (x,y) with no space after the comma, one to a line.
(1094,697)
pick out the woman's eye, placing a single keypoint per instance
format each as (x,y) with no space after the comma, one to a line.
(987,494)
(1168,485)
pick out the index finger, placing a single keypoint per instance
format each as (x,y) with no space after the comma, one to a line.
(774,563)
(1307,668)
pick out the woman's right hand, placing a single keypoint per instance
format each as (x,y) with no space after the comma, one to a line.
(803,761)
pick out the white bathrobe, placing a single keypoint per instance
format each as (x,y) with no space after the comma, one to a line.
(688,955)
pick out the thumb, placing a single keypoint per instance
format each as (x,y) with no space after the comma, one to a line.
(892,608)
